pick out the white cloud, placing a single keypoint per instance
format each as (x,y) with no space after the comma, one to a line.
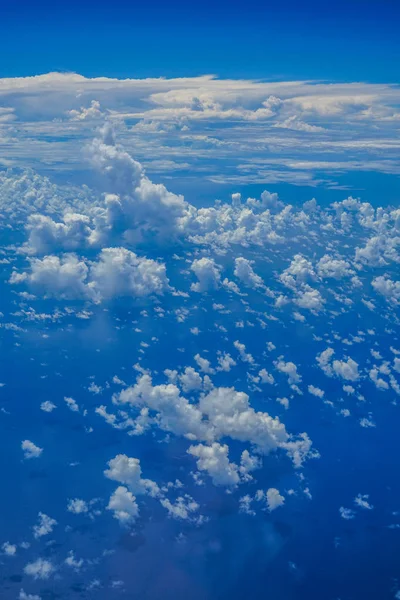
(77,506)
(118,272)
(208,274)
(214,460)
(316,391)
(346,513)
(9,549)
(24,596)
(47,406)
(244,356)
(290,369)
(346,369)
(123,504)
(128,471)
(72,404)
(30,449)
(45,526)
(274,499)
(388,288)
(40,569)
(244,272)
(183,508)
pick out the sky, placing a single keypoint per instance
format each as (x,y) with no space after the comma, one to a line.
(346,41)
(199,301)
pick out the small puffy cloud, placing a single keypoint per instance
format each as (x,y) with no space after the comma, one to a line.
(47,406)
(128,471)
(346,513)
(324,361)
(380,383)
(72,404)
(45,526)
(226,362)
(346,369)
(40,569)
(183,508)
(83,114)
(298,272)
(290,369)
(208,274)
(77,506)
(214,460)
(245,356)
(204,364)
(316,391)
(24,596)
(309,298)
(9,549)
(30,449)
(362,501)
(266,377)
(333,268)
(274,499)
(72,562)
(63,277)
(244,272)
(387,288)
(190,380)
(118,272)
(123,504)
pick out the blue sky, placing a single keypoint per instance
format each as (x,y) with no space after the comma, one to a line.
(346,41)
(199,301)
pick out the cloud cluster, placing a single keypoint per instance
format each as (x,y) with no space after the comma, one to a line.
(117,272)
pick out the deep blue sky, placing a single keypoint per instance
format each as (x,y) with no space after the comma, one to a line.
(353,40)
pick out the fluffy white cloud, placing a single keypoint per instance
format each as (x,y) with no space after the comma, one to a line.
(266,377)
(30,449)
(244,272)
(9,549)
(123,504)
(183,508)
(208,274)
(245,356)
(24,596)
(45,526)
(221,413)
(388,288)
(290,369)
(316,391)
(214,459)
(346,369)
(274,499)
(334,268)
(128,471)
(77,506)
(118,272)
(47,406)
(40,569)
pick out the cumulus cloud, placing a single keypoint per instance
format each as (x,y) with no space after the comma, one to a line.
(128,471)
(30,449)
(388,288)
(123,504)
(214,460)
(45,526)
(208,274)
(220,413)
(40,569)
(274,499)
(244,272)
(117,272)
